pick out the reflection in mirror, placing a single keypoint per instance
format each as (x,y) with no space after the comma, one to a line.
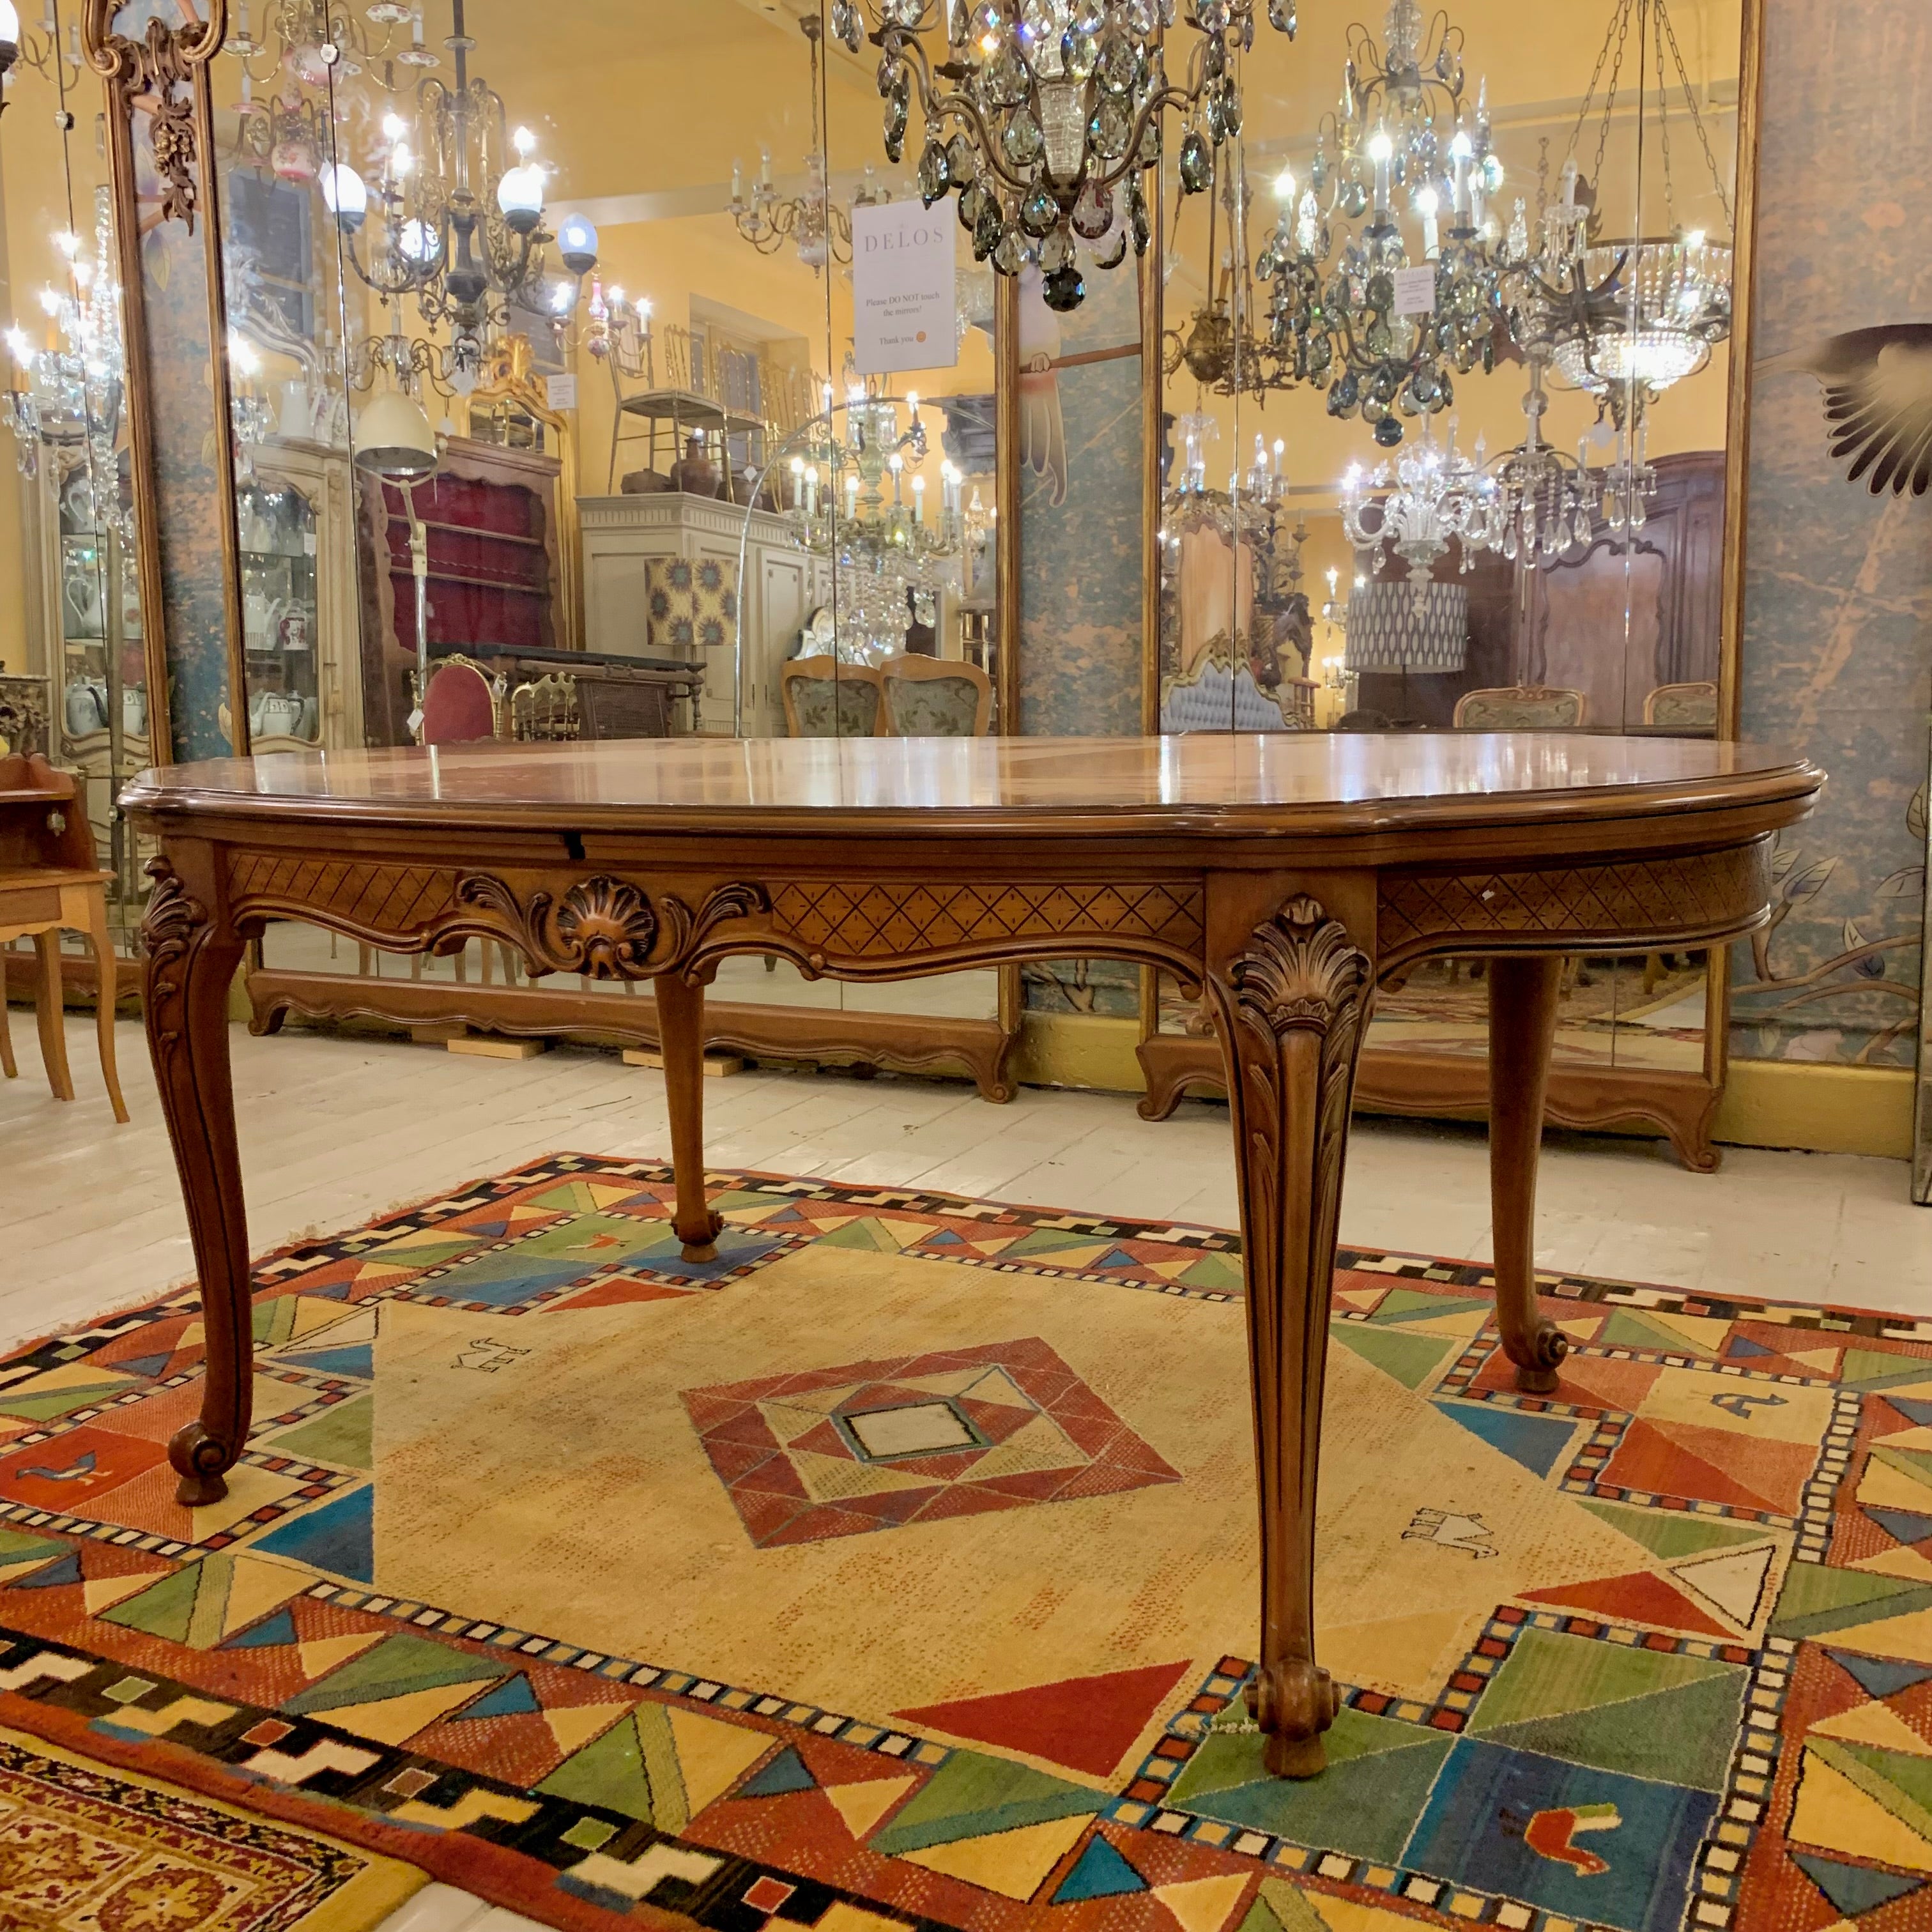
(73,683)
(557,424)
(1445,375)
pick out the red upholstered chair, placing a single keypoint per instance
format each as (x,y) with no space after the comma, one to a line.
(462,704)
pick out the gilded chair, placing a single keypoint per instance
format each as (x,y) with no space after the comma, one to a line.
(462,703)
(935,697)
(825,699)
(1683,707)
(544,711)
(1522,707)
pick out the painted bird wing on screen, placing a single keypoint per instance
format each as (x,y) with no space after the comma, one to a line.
(1878,403)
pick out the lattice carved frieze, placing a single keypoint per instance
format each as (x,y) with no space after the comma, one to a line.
(1630,902)
(898,919)
(362,895)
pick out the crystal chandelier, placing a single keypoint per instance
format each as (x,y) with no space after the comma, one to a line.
(72,393)
(1387,327)
(820,229)
(1431,496)
(1625,318)
(1043,109)
(1541,507)
(857,497)
(455,215)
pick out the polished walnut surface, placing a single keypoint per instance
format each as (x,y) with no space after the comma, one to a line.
(1269,782)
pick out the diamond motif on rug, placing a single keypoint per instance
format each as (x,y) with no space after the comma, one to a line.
(869,1446)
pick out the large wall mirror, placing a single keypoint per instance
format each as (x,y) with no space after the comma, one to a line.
(1387,387)
(1446,406)
(74,681)
(555,421)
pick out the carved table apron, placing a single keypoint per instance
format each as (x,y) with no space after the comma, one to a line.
(1278,875)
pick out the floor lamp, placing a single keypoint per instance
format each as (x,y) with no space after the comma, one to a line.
(1423,627)
(393,441)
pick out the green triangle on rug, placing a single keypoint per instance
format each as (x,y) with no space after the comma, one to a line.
(971,1795)
(1670,1533)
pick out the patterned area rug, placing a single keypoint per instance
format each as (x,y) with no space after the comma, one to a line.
(898,1568)
(83,1849)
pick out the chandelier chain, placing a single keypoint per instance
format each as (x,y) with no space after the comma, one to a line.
(1667,32)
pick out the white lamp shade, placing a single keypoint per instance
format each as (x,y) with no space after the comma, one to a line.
(520,194)
(393,437)
(577,242)
(9,23)
(344,193)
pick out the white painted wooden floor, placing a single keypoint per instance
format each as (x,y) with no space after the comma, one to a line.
(335,1130)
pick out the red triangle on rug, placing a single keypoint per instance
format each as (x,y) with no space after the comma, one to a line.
(1087,1723)
(1637,1598)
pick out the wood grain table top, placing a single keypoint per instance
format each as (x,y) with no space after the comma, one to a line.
(1273,783)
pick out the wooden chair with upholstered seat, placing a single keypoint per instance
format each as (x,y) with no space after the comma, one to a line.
(1522,707)
(462,703)
(936,697)
(49,882)
(825,699)
(1683,707)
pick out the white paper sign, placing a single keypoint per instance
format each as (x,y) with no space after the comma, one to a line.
(559,393)
(902,288)
(1415,291)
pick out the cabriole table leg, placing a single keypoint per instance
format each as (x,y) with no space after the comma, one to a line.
(190,962)
(1292,1008)
(1523,1032)
(681,1039)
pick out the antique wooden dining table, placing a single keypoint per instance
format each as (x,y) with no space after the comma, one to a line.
(1282,876)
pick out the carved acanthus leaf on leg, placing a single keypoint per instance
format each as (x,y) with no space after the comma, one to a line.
(1294,1009)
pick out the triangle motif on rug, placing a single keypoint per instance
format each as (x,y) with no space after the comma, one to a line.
(1086,1724)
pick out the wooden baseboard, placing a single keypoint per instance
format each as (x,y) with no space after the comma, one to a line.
(78,981)
(825,1036)
(1680,1106)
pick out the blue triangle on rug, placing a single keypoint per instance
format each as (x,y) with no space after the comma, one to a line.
(1853,1890)
(1901,1525)
(1743,1345)
(1100,1873)
(1536,1441)
(67,1570)
(1915,1411)
(1879,1677)
(513,1698)
(278,1629)
(339,1537)
(143,1365)
(786,1772)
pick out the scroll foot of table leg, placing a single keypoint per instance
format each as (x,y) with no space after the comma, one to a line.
(1294,1703)
(191,960)
(1523,997)
(1291,1005)
(202,1462)
(681,1040)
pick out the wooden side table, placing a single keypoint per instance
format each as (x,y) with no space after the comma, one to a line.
(50,884)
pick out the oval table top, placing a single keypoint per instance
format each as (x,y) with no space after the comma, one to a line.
(1202,782)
